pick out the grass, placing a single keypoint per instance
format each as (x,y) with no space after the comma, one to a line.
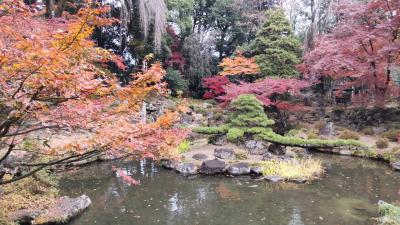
(33,193)
(293,169)
(382,143)
(391,134)
(390,214)
(183,147)
(349,135)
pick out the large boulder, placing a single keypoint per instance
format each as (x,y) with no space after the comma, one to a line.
(277,149)
(199,156)
(169,163)
(187,169)
(224,153)
(274,178)
(210,167)
(395,166)
(256,147)
(218,139)
(62,211)
(257,170)
(241,168)
(327,129)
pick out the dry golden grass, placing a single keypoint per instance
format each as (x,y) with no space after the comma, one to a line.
(293,169)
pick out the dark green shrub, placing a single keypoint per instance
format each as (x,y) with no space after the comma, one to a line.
(348,134)
(391,134)
(382,143)
(175,81)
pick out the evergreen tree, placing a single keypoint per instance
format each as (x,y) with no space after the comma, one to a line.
(275,48)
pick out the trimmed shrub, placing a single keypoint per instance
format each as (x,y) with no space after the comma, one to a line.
(391,134)
(348,134)
(382,143)
(368,131)
(247,117)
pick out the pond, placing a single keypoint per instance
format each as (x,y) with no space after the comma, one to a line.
(346,195)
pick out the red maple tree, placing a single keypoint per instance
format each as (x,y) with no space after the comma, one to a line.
(271,92)
(361,52)
(215,86)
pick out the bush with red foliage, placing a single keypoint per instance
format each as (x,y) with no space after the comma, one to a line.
(215,86)
(269,91)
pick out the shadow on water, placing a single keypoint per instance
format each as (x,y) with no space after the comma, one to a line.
(346,195)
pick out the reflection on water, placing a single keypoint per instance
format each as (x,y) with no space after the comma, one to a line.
(347,195)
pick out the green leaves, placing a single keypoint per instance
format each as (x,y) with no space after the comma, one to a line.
(275,48)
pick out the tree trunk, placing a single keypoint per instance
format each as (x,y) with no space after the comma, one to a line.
(49,9)
(60,8)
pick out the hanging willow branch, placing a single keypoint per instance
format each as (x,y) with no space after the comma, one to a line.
(152,12)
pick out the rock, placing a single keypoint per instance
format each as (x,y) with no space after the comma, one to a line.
(345,152)
(62,211)
(194,136)
(187,169)
(224,153)
(378,130)
(274,178)
(23,216)
(257,170)
(298,180)
(277,149)
(186,119)
(290,154)
(169,163)
(395,166)
(300,152)
(218,140)
(327,130)
(207,105)
(212,167)
(256,147)
(268,156)
(199,156)
(239,168)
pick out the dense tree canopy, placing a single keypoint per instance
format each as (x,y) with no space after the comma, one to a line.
(362,52)
(275,48)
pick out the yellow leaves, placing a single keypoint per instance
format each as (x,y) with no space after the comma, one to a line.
(239,65)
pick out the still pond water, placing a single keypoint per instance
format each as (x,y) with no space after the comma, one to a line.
(347,195)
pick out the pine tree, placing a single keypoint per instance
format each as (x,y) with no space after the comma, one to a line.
(275,48)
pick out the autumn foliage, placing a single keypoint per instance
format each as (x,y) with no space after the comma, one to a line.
(239,65)
(362,52)
(52,77)
(215,86)
(269,91)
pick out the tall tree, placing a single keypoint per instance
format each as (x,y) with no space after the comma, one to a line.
(275,48)
(53,77)
(362,52)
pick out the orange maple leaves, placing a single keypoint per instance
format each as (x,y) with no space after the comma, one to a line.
(239,65)
(51,76)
